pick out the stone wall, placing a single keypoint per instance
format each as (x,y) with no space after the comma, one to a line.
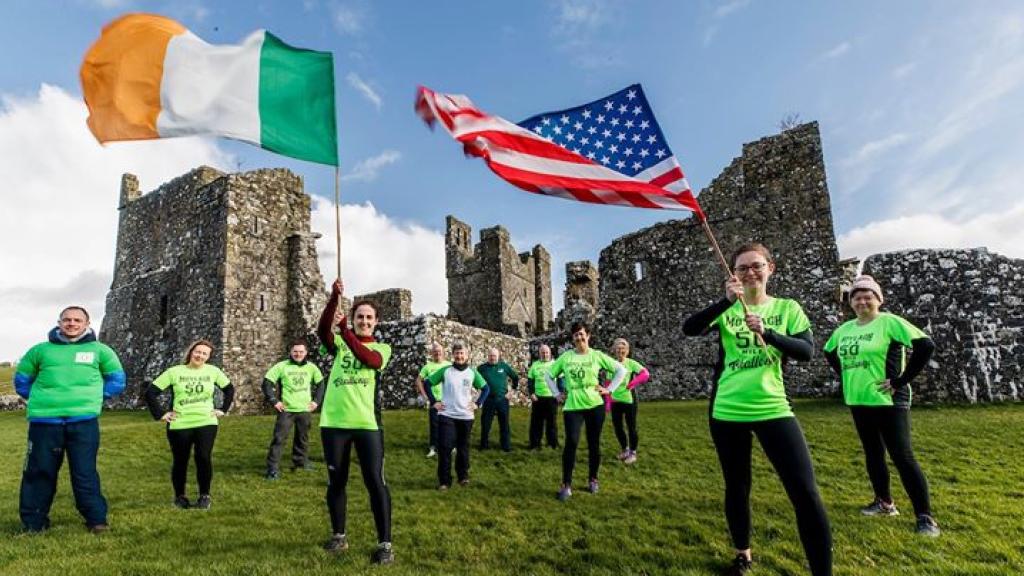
(492,286)
(971,303)
(652,279)
(226,257)
(410,341)
(392,304)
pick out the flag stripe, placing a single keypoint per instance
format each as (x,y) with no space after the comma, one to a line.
(211,89)
(123,93)
(288,76)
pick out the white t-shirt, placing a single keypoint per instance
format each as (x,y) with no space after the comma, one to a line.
(457,391)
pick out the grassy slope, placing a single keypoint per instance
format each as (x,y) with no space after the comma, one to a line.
(6,380)
(662,516)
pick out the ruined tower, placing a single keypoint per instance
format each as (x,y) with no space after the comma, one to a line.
(492,286)
(226,257)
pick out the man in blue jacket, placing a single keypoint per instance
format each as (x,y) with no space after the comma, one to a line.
(65,381)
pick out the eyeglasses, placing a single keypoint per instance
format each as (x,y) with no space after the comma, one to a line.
(756,267)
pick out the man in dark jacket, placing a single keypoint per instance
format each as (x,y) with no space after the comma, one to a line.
(497,374)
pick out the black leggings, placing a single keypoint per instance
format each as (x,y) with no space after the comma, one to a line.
(453,433)
(542,421)
(622,411)
(574,420)
(883,428)
(182,443)
(784,445)
(369,446)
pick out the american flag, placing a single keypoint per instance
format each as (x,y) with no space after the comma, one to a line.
(610,151)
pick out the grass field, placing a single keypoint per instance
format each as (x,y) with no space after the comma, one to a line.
(662,516)
(6,380)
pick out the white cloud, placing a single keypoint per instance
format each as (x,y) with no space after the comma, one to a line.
(577,29)
(59,213)
(903,70)
(998,231)
(728,8)
(365,89)
(368,170)
(348,19)
(835,52)
(378,252)
(858,168)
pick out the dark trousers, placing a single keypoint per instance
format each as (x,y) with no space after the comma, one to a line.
(887,428)
(784,445)
(495,406)
(432,418)
(625,412)
(542,422)
(47,445)
(454,434)
(300,443)
(369,445)
(593,419)
(198,440)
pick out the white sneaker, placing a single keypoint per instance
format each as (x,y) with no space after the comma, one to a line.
(630,459)
(431,453)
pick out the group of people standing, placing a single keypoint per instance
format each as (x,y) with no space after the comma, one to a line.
(66,379)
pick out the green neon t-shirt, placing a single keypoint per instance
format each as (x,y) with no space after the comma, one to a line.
(863,351)
(193,393)
(536,375)
(581,377)
(351,397)
(296,383)
(623,394)
(68,378)
(430,368)
(750,387)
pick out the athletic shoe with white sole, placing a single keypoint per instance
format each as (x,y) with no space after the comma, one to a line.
(564,493)
(927,526)
(880,508)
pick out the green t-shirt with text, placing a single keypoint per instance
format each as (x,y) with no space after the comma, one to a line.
(351,399)
(750,387)
(68,378)
(623,394)
(863,351)
(429,369)
(296,382)
(536,375)
(581,377)
(192,389)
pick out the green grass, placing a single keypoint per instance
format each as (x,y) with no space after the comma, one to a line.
(6,380)
(662,516)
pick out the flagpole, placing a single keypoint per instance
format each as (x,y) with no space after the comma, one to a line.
(725,266)
(337,216)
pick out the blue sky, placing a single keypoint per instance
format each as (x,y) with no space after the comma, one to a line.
(918,102)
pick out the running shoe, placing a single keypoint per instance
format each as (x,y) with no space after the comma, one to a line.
(564,493)
(203,503)
(383,554)
(593,486)
(740,566)
(431,453)
(880,508)
(631,459)
(337,543)
(464,482)
(99,528)
(182,502)
(272,475)
(927,526)
(442,487)
(623,455)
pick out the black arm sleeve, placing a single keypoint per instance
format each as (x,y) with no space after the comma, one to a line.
(531,388)
(430,393)
(696,324)
(270,391)
(920,352)
(833,361)
(156,408)
(318,392)
(229,397)
(799,347)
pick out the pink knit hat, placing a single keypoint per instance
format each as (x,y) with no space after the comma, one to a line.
(865,282)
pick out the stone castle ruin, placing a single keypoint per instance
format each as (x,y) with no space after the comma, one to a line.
(230,257)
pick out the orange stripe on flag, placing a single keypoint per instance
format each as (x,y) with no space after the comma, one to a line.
(121,76)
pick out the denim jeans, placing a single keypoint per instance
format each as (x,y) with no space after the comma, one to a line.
(47,445)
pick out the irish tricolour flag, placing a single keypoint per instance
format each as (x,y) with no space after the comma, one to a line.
(149,77)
